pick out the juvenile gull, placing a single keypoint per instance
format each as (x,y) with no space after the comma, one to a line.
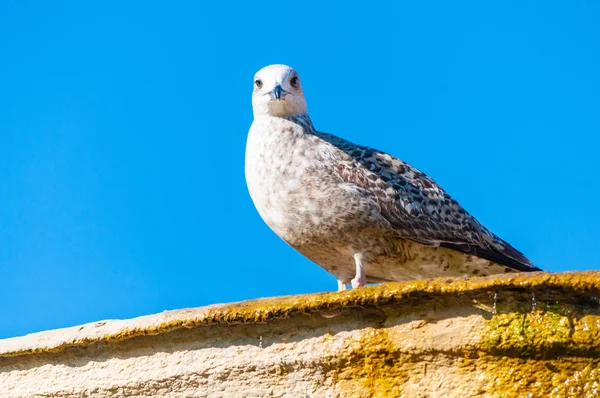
(361,214)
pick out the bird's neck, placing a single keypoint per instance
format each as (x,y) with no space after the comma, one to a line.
(303,120)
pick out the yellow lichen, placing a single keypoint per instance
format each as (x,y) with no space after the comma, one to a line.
(369,367)
(272,309)
(508,377)
(543,347)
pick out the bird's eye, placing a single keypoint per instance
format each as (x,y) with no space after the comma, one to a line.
(294,81)
(258,83)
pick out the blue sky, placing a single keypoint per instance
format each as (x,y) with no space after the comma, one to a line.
(123,128)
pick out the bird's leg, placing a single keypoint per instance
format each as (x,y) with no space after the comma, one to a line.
(359,279)
(341,285)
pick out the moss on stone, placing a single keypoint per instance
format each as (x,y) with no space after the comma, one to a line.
(553,329)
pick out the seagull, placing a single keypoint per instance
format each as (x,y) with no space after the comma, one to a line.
(361,214)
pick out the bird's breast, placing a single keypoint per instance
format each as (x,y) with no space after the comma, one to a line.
(280,158)
(275,165)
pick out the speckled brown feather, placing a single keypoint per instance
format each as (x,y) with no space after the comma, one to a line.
(418,208)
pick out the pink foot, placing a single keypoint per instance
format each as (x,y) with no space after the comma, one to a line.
(358,281)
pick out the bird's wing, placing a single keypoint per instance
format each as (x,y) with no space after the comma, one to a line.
(417,208)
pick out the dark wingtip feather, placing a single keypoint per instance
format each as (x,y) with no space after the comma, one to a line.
(509,257)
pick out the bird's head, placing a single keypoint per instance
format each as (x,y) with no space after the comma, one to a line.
(277,92)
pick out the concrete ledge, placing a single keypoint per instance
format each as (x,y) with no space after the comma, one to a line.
(440,337)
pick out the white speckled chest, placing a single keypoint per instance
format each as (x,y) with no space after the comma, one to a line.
(290,177)
(277,156)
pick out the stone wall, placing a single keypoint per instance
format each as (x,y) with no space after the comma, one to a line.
(514,335)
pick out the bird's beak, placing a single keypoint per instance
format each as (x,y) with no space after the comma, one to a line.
(278,91)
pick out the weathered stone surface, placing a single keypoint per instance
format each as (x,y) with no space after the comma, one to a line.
(431,338)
